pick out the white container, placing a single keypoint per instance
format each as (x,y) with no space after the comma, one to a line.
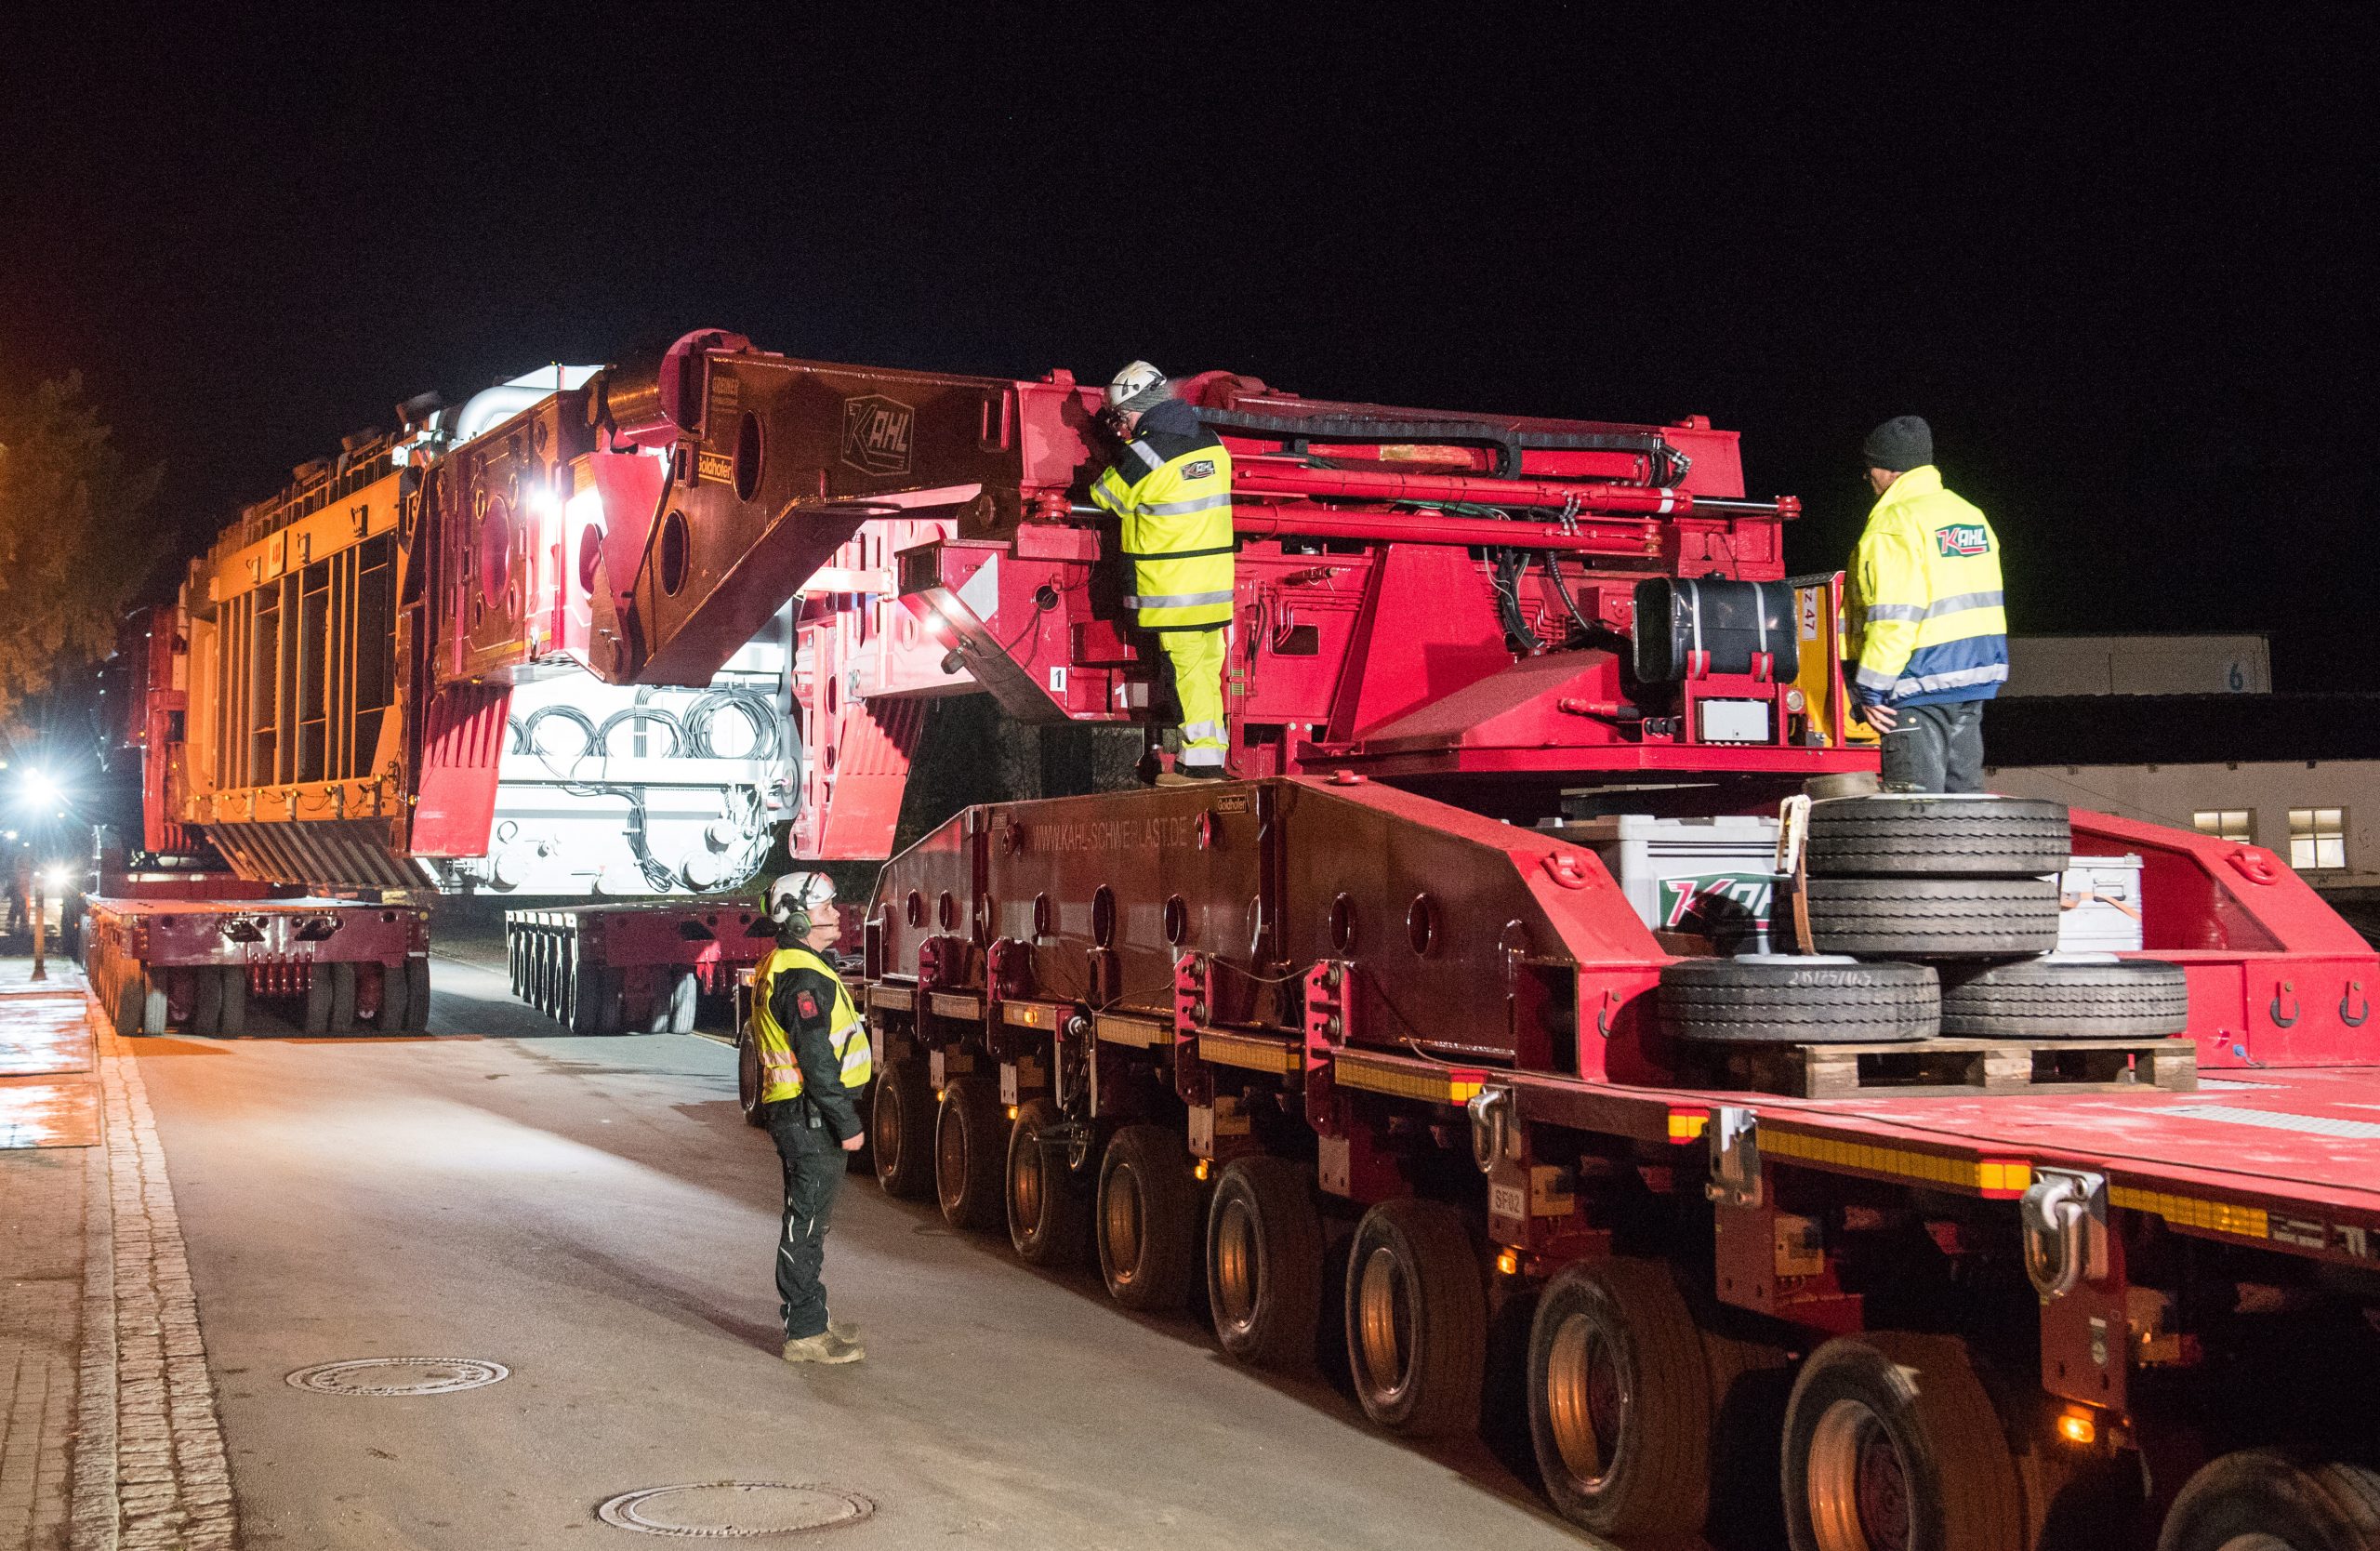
(2099,905)
(1700,878)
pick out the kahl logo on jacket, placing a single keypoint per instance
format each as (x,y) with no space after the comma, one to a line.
(1964,538)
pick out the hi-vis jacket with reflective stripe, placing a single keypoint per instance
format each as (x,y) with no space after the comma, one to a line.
(1922,613)
(1173,489)
(818,1004)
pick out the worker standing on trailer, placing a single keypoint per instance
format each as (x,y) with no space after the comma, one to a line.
(814,1059)
(1172,487)
(1924,616)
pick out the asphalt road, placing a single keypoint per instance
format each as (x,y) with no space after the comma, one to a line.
(594,1215)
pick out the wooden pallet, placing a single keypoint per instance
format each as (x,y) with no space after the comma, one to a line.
(1950,1067)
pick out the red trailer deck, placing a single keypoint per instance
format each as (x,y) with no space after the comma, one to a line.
(606,968)
(192,965)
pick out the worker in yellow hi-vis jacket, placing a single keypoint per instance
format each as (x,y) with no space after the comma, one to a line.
(1172,487)
(1923,618)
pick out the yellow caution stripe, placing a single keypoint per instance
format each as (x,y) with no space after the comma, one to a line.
(955,1004)
(1118,1030)
(892,998)
(1993,1177)
(2197,1211)
(1408,1078)
(1688,1125)
(1029,1015)
(1248,1052)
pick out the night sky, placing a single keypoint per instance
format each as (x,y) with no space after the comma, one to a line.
(2127,274)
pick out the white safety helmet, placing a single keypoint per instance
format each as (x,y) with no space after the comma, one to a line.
(799,893)
(1138,386)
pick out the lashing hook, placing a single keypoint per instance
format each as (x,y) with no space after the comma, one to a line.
(2281,1019)
(2354,993)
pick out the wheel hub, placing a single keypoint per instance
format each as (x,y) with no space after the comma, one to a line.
(1235,1265)
(1385,1325)
(1859,1482)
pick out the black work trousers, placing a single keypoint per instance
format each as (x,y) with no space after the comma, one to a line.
(814,1166)
(1936,749)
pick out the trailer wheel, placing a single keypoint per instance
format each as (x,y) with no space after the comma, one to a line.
(684,1000)
(418,995)
(1148,1219)
(1934,917)
(316,1017)
(1264,1262)
(342,999)
(901,1128)
(2262,1501)
(1416,1317)
(1779,998)
(2050,997)
(130,999)
(1891,1442)
(748,1079)
(396,989)
(516,959)
(1934,835)
(970,1154)
(155,1006)
(1619,1400)
(234,1018)
(587,994)
(205,1001)
(611,1002)
(1049,1203)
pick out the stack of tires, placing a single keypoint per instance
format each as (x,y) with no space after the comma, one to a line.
(1930,915)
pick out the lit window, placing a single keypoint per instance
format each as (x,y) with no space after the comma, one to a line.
(2317,838)
(2225,824)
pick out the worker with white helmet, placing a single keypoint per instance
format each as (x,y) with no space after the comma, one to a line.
(1171,488)
(815,1060)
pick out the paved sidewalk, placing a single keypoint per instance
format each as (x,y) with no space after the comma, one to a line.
(109,1439)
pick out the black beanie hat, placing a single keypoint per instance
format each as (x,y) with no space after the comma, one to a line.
(1903,442)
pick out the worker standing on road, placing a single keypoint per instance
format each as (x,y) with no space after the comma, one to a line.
(815,1058)
(1924,617)
(1172,487)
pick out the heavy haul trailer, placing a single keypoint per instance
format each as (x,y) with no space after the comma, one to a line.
(1385,989)
(311,721)
(612,969)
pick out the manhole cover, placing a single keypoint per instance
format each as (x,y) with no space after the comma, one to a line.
(735,1510)
(400,1375)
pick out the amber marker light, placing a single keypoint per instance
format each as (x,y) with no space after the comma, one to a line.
(1011,1111)
(1201,1170)
(2077,1427)
(1508,1262)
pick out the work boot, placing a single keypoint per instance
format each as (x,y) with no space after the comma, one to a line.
(843,1330)
(826,1347)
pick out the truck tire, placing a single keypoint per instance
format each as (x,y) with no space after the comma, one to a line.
(1922,835)
(205,1001)
(1148,1219)
(342,999)
(1264,1262)
(1934,917)
(900,1128)
(1782,998)
(130,999)
(685,1000)
(316,1016)
(418,995)
(1416,1317)
(587,990)
(395,989)
(2053,998)
(1890,1440)
(2261,1499)
(1049,1202)
(155,1006)
(1619,1401)
(970,1154)
(747,1080)
(234,1023)
(516,955)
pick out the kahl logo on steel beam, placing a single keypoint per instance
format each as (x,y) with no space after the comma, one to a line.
(876,434)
